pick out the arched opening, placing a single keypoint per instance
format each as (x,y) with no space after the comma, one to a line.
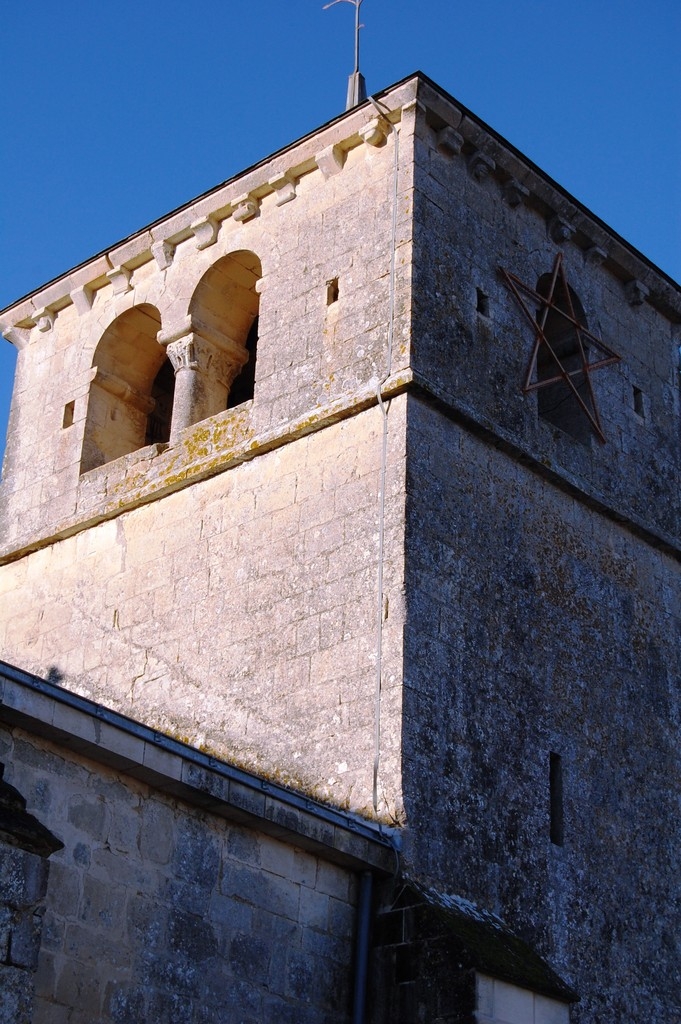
(243,385)
(162,394)
(556,401)
(127,366)
(225,308)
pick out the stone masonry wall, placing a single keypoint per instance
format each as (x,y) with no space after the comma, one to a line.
(337,219)
(224,588)
(537,627)
(483,208)
(542,614)
(157,911)
(25,846)
(239,614)
(23,880)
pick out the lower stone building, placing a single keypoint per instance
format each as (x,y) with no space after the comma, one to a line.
(181,887)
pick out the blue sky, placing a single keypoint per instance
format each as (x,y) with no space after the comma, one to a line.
(113,114)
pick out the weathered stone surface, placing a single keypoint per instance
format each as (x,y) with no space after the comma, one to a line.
(25,845)
(220,920)
(535,626)
(387,578)
(16,995)
(292,551)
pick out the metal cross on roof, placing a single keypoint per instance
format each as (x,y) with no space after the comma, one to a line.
(559,300)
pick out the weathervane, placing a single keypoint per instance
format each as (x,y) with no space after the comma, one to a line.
(357,91)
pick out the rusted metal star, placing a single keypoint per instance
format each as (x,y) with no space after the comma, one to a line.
(559,301)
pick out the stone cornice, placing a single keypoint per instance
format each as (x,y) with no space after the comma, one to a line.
(239,198)
(459,132)
(324,150)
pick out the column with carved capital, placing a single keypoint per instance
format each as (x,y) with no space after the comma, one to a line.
(206,362)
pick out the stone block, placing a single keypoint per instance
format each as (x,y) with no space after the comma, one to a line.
(45,976)
(64,889)
(24,940)
(124,829)
(186,896)
(304,868)
(212,789)
(79,990)
(102,906)
(118,747)
(89,816)
(228,915)
(80,730)
(27,703)
(161,767)
(53,1012)
(277,858)
(24,876)
(53,932)
(93,948)
(196,855)
(6,922)
(16,992)
(124,1003)
(245,845)
(191,937)
(342,918)
(314,909)
(246,799)
(332,947)
(249,957)
(146,924)
(302,977)
(284,1012)
(157,832)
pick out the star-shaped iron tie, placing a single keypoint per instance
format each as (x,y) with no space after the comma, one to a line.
(549,303)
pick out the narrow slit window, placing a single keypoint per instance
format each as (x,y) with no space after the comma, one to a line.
(69,410)
(556,799)
(243,388)
(638,402)
(332,291)
(482,303)
(162,394)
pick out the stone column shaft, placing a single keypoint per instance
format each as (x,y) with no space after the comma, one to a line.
(204,371)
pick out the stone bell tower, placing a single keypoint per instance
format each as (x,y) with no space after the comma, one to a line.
(361,472)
